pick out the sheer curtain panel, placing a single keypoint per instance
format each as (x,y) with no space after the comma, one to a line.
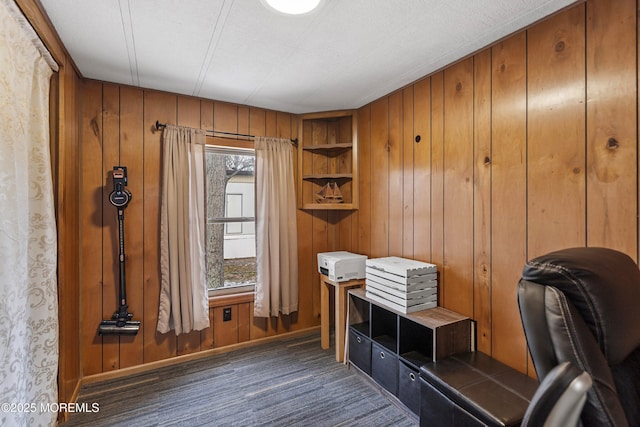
(276,231)
(184,305)
(28,253)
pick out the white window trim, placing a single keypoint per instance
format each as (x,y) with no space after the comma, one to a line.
(218,149)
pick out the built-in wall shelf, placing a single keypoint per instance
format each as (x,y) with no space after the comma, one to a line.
(330,148)
(329,176)
(327,156)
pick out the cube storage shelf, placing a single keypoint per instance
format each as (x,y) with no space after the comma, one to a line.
(390,346)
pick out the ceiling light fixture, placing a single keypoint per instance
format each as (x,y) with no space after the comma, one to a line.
(293,7)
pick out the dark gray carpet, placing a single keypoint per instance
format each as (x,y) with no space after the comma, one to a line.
(291,382)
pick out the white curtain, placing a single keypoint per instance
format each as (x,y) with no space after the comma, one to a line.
(184,304)
(28,254)
(276,231)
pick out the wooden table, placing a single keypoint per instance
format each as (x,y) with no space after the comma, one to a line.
(340,302)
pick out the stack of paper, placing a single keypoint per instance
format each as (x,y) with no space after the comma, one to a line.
(402,284)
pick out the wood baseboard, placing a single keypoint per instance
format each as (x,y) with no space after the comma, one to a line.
(64,416)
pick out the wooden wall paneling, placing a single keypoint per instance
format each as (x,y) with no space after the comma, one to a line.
(306,284)
(306,303)
(611,125)
(206,122)
(458,188)
(407,172)
(162,107)
(364,177)
(556,133)
(283,125)
(132,156)
(422,186)
(396,190)
(225,117)
(257,121)
(508,196)
(189,115)
(225,332)
(110,275)
(207,335)
(320,243)
(482,230)
(69,222)
(243,120)
(348,231)
(380,178)
(348,159)
(206,114)
(354,231)
(437,178)
(91,227)
(271,123)
(244,324)
(305,318)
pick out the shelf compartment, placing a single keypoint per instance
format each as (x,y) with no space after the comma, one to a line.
(415,343)
(359,315)
(384,328)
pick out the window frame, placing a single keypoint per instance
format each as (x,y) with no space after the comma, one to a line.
(230,150)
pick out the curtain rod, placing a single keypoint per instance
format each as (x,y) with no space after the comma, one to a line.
(163,125)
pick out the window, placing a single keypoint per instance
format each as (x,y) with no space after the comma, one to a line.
(233,209)
(231,239)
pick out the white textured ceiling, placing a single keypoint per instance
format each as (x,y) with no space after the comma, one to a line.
(343,55)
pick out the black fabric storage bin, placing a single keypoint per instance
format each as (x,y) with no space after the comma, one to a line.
(360,350)
(384,367)
(471,389)
(409,387)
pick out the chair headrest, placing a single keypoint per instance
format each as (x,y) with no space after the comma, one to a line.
(604,286)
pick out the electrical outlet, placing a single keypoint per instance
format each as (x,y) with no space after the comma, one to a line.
(226,314)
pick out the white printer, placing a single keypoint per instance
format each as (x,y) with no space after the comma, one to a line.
(341,266)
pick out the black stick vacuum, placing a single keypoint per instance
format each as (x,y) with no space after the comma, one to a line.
(120,323)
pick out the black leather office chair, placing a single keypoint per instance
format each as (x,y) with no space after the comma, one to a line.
(582,305)
(559,399)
